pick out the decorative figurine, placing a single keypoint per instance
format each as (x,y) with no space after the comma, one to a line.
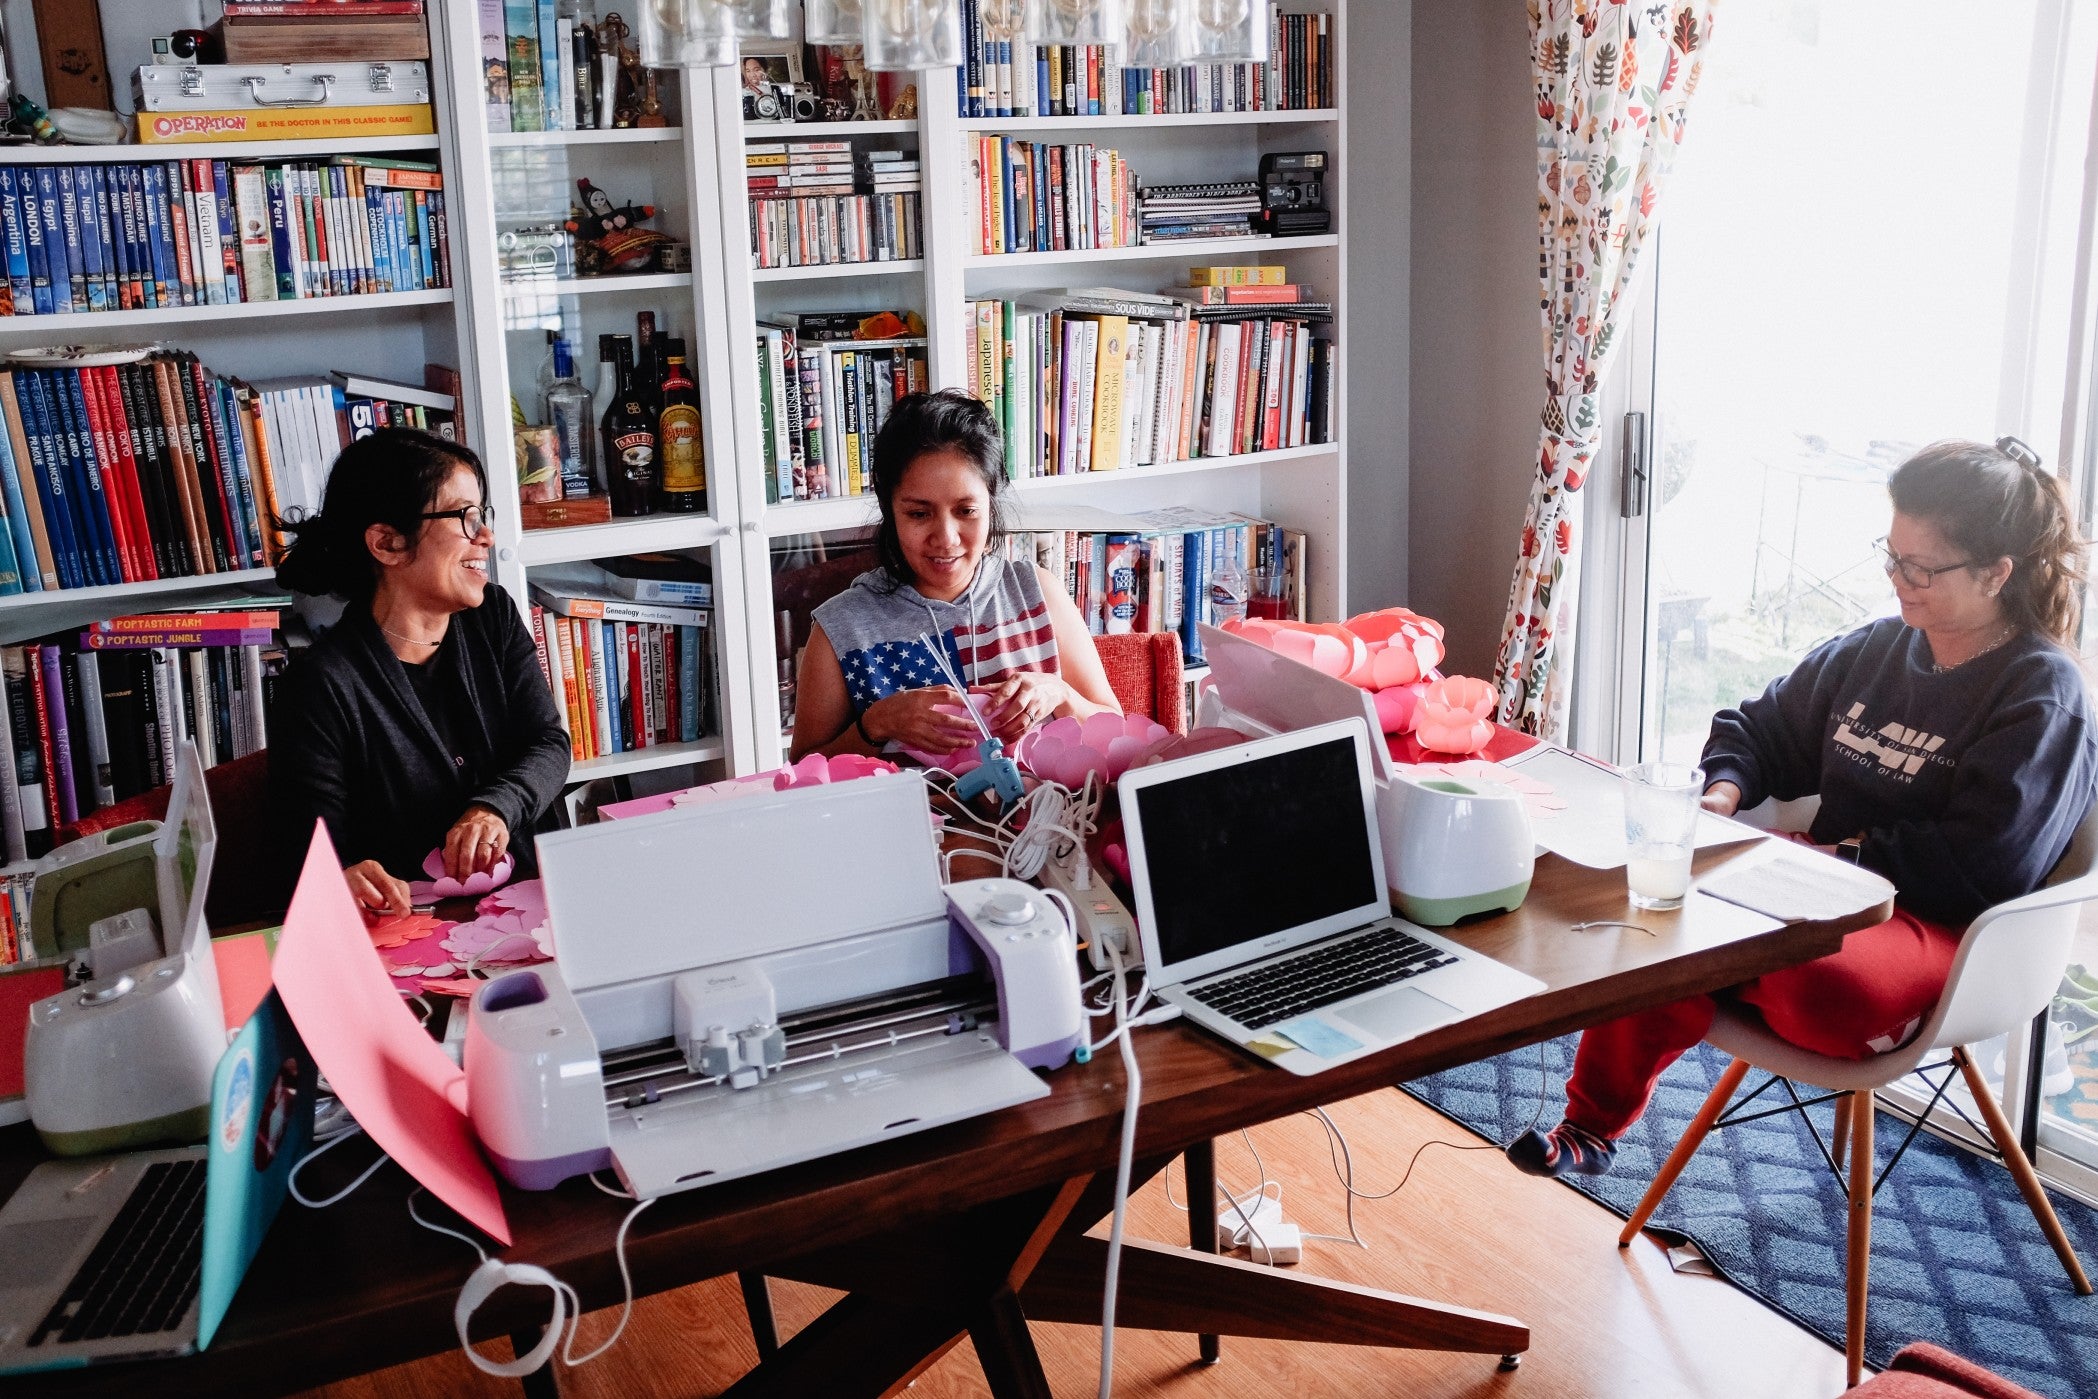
(608,239)
(651,102)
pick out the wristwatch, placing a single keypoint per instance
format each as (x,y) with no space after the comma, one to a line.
(1851,848)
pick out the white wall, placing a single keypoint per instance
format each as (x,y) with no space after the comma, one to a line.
(1379,205)
(1476,375)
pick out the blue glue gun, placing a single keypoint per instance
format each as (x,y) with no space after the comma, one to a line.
(997,773)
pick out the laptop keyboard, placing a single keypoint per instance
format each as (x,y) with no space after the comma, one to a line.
(1320,976)
(144,1273)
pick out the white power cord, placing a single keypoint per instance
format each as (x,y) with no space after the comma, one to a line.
(1133,1095)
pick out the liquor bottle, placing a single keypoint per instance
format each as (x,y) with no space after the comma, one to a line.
(682,477)
(607,367)
(630,447)
(787,683)
(575,426)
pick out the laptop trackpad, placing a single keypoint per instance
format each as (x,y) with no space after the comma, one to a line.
(38,1252)
(1397,1014)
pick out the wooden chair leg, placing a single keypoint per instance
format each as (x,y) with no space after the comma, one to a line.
(1857,1266)
(2021,1170)
(1840,1145)
(1693,1137)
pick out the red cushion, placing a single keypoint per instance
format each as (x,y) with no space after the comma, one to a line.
(1144,671)
(1924,1371)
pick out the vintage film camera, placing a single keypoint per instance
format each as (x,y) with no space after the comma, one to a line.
(1293,194)
(762,104)
(782,102)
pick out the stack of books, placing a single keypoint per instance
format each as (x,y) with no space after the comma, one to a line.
(1015,78)
(157,468)
(1033,197)
(137,236)
(822,397)
(627,653)
(543,68)
(95,718)
(812,204)
(1158,579)
(1099,378)
(321,31)
(1175,213)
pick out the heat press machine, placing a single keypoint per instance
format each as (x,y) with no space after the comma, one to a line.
(746,984)
(124,1057)
(1452,847)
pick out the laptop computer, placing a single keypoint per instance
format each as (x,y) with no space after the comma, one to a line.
(138,1254)
(1260,901)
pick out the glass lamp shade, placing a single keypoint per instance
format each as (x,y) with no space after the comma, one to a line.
(1161,34)
(1229,31)
(1075,21)
(831,21)
(686,33)
(1003,19)
(762,19)
(902,36)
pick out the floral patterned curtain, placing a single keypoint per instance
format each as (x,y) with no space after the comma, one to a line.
(1613,79)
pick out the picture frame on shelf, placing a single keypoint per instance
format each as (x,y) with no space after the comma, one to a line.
(770,76)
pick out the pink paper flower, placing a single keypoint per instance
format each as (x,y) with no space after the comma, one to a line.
(1453,715)
(817,769)
(1403,647)
(1066,750)
(962,759)
(1398,707)
(442,886)
(1329,649)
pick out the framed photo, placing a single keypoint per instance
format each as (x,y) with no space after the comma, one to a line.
(776,63)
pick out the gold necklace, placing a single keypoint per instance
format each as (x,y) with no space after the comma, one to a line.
(411,640)
(2010,629)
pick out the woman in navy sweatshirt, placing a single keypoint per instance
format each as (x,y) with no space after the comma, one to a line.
(421,721)
(1952,750)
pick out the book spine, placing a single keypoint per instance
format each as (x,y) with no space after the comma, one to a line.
(66,798)
(86,285)
(13,831)
(55,250)
(89,682)
(32,749)
(31,212)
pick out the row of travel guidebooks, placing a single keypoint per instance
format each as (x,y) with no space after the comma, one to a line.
(627,652)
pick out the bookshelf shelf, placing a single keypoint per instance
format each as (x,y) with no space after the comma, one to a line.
(216,150)
(1079,480)
(588,286)
(828,270)
(817,516)
(1163,120)
(26,615)
(95,323)
(611,136)
(824,130)
(641,535)
(1197,248)
(663,755)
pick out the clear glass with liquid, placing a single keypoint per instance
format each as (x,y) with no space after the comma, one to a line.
(1660,828)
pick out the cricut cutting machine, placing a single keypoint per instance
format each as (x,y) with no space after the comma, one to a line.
(746,984)
(1452,847)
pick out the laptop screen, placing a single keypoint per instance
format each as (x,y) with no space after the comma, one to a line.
(1239,852)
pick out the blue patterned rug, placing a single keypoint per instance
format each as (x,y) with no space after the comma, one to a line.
(1956,1256)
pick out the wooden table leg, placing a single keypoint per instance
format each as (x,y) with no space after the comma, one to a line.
(1201,1160)
(1172,1289)
(757,1302)
(861,1347)
(541,1383)
(1005,1349)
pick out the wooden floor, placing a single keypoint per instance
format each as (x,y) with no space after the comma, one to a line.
(1467,1229)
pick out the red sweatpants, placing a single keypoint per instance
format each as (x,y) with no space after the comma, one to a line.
(1865,999)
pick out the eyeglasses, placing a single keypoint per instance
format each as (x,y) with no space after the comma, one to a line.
(472,518)
(1916,575)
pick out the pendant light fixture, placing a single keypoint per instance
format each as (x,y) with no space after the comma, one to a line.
(906,35)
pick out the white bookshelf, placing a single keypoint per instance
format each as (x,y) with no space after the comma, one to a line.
(421,147)
(98,326)
(716,308)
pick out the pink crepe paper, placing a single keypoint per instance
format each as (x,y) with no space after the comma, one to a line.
(1325,648)
(1454,715)
(963,759)
(1067,750)
(1404,647)
(442,886)
(817,769)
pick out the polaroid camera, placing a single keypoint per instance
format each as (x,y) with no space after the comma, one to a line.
(125,1057)
(1293,194)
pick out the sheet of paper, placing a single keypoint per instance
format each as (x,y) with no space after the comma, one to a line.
(1589,829)
(1794,885)
(395,1080)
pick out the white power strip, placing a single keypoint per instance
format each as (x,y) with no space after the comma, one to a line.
(1101,916)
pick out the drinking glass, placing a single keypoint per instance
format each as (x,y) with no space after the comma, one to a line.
(1660,831)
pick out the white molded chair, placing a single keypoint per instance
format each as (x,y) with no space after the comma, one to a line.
(2009,963)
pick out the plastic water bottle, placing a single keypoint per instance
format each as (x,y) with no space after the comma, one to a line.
(1227,594)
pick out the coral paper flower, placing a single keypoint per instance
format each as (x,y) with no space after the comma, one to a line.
(442,886)
(1333,650)
(1066,750)
(1403,646)
(1452,716)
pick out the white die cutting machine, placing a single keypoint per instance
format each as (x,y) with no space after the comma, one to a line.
(746,984)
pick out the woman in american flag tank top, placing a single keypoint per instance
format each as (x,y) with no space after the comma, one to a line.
(870,677)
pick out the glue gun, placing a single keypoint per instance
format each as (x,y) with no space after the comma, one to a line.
(997,773)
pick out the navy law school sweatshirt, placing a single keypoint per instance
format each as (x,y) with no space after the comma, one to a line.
(1967,785)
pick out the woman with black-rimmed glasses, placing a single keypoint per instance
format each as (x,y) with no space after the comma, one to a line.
(1952,750)
(421,720)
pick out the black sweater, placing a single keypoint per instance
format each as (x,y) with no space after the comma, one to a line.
(350,742)
(1966,785)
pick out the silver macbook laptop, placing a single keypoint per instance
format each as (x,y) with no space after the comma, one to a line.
(1259,881)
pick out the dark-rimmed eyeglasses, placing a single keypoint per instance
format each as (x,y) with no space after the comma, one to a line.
(1914,574)
(472,518)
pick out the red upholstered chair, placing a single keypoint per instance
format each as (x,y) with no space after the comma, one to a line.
(1143,669)
(243,888)
(1924,1371)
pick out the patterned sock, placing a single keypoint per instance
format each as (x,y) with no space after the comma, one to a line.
(1566,1148)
